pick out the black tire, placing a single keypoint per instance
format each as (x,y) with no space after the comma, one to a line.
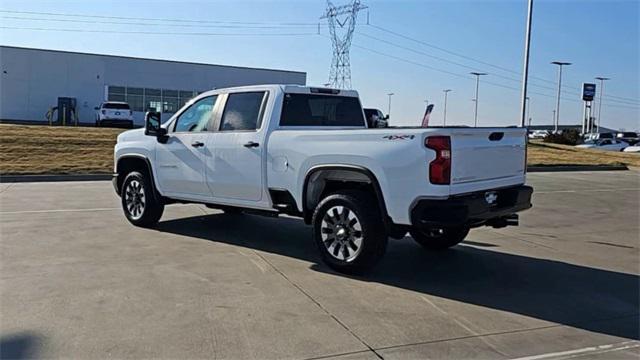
(440,239)
(141,208)
(360,249)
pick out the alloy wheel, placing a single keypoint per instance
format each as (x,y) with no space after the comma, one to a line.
(341,233)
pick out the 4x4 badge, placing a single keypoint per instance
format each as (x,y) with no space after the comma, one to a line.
(399,137)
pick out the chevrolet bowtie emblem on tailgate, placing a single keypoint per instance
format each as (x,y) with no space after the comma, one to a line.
(491,197)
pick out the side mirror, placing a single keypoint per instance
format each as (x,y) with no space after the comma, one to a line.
(152,126)
(386,117)
(96,108)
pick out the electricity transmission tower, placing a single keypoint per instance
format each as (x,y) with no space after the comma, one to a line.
(342,23)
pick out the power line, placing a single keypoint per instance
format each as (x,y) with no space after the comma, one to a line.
(233,26)
(477,60)
(156,33)
(445,60)
(470,67)
(274,25)
(469,77)
(160,19)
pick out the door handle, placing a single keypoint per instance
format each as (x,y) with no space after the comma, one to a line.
(251,144)
(197,144)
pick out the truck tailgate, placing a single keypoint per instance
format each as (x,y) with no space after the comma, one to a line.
(483,158)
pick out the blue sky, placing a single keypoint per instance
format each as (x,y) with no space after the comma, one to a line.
(601,38)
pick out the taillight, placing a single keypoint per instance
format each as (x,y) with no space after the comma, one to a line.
(440,167)
(104,112)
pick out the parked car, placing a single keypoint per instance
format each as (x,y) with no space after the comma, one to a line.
(629,137)
(632,149)
(376,119)
(307,152)
(604,144)
(114,114)
(538,134)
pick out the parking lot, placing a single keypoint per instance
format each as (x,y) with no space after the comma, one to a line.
(77,280)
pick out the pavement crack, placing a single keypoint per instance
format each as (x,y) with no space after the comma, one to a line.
(503,332)
(7,188)
(334,317)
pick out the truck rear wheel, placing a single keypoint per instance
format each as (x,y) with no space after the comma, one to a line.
(439,238)
(140,205)
(349,232)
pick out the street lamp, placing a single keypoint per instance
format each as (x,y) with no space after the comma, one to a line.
(557,112)
(444,121)
(525,72)
(602,80)
(390,95)
(475,112)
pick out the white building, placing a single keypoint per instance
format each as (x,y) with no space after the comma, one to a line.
(32,80)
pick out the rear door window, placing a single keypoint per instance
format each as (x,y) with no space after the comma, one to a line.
(243,111)
(321,110)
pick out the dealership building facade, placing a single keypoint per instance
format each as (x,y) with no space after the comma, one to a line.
(33,80)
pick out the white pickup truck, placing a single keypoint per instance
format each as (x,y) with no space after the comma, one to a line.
(307,152)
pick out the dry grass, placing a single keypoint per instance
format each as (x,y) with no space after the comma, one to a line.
(32,149)
(554,154)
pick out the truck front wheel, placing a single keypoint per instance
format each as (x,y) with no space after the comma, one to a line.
(349,232)
(439,238)
(140,205)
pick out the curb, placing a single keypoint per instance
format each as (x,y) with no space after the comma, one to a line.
(47,178)
(104,177)
(561,168)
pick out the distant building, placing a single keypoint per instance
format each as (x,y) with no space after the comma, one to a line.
(32,80)
(567,127)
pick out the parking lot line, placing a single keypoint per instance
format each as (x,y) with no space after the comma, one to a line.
(586,190)
(56,211)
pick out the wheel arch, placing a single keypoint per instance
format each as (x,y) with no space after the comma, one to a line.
(318,178)
(130,162)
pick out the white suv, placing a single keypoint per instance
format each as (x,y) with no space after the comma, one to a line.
(114,114)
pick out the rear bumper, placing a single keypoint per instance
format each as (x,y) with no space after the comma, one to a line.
(471,209)
(126,123)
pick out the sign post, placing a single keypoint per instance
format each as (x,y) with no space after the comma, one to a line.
(588,93)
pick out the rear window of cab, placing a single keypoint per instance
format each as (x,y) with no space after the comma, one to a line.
(321,110)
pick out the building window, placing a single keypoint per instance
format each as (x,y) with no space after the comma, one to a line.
(116,93)
(135,98)
(184,97)
(153,100)
(144,99)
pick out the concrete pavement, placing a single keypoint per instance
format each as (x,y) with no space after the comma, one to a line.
(77,280)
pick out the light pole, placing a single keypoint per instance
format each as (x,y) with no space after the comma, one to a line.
(557,112)
(389,110)
(475,112)
(525,72)
(602,80)
(444,121)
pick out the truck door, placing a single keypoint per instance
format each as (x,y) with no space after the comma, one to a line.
(234,168)
(180,162)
